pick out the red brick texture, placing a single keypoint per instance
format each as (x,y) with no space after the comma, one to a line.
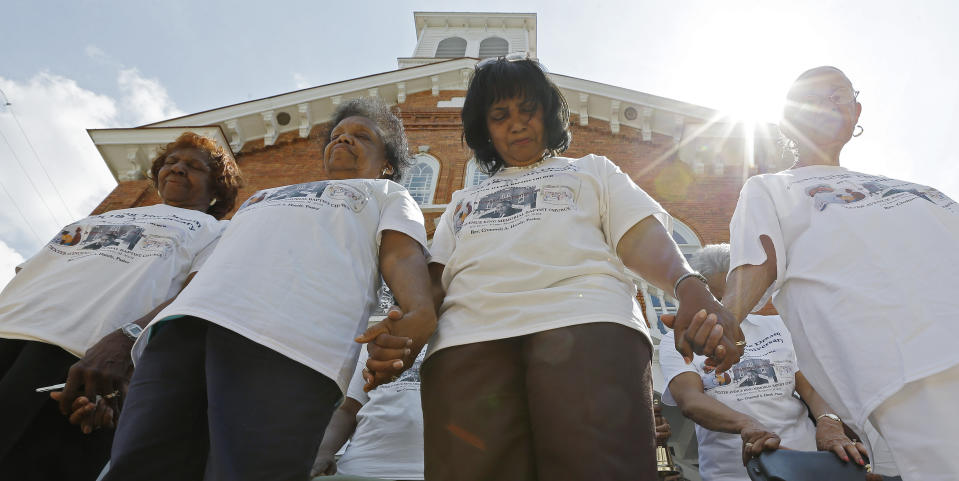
(704,202)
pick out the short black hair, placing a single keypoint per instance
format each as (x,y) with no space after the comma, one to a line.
(495,80)
(389,127)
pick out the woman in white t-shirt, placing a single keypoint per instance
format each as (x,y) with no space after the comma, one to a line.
(860,277)
(750,407)
(86,295)
(540,366)
(237,378)
(384,428)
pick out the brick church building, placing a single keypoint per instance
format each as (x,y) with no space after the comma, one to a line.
(690,158)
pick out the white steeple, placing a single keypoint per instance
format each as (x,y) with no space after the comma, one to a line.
(444,35)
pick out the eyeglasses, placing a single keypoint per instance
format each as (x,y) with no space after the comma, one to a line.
(840,96)
(513,57)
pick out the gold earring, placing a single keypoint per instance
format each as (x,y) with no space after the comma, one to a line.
(213,201)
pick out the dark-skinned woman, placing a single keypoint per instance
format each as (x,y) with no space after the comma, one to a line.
(540,367)
(242,372)
(752,407)
(864,277)
(88,298)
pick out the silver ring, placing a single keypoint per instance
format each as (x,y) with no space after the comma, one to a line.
(748,445)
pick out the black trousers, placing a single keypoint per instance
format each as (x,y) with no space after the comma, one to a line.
(36,441)
(207,403)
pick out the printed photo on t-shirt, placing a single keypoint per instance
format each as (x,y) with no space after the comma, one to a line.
(100,236)
(855,190)
(754,372)
(315,195)
(502,204)
(766,370)
(130,236)
(507,202)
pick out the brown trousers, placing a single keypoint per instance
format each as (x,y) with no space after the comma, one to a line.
(573,403)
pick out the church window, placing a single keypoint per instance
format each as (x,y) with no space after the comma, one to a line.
(474,176)
(452,47)
(421,178)
(493,47)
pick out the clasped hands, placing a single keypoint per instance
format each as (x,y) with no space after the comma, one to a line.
(393,344)
(708,335)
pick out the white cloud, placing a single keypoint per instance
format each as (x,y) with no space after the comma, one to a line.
(145,98)
(301,81)
(55,112)
(9,259)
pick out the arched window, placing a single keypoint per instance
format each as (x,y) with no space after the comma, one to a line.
(452,47)
(493,47)
(657,301)
(686,239)
(420,180)
(474,176)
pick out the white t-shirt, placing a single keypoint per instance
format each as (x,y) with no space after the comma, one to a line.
(388,441)
(104,271)
(297,269)
(761,385)
(529,250)
(866,277)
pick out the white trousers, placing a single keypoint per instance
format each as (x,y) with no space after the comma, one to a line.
(920,423)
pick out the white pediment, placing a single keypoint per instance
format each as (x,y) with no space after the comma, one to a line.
(300,110)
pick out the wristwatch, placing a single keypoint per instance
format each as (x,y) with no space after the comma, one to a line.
(132,330)
(830,416)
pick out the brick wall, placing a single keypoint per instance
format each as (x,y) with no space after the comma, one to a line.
(703,202)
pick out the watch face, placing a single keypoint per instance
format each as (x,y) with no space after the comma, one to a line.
(132,330)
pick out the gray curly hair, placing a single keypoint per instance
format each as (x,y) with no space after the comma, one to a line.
(389,126)
(711,259)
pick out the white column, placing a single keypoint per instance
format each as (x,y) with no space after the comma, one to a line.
(306,119)
(614,116)
(235,133)
(583,109)
(269,123)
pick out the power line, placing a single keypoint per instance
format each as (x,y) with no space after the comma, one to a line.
(37,156)
(15,157)
(25,221)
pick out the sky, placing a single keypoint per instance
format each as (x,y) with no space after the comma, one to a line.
(68,66)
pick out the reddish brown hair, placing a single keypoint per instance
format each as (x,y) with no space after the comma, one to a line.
(225,178)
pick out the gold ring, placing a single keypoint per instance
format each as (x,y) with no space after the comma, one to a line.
(740,343)
(393,378)
(111,395)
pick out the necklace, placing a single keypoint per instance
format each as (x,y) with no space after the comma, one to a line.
(527,166)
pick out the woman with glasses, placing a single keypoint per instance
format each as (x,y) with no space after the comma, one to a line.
(540,366)
(863,268)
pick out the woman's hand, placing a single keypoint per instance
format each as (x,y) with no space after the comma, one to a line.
(703,325)
(323,465)
(104,371)
(663,431)
(100,412)
(390,352)
(830,436)
(756,439)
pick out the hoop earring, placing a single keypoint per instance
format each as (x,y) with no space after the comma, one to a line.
(857,134)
